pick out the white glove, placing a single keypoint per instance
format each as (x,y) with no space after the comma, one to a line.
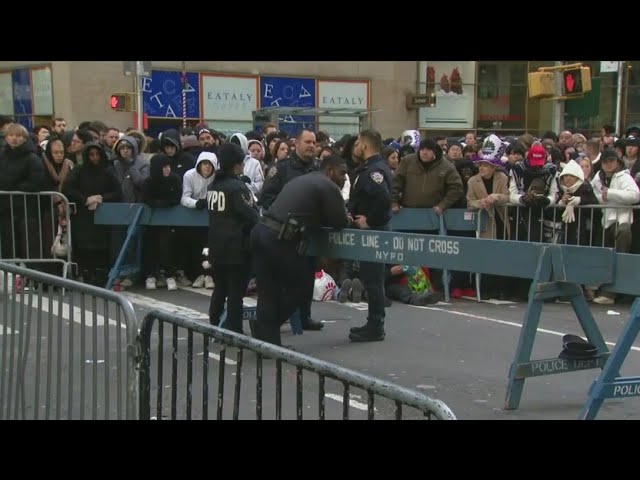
(206,265)
(568,216)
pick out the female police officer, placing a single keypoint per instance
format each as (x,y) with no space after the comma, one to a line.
(232,215)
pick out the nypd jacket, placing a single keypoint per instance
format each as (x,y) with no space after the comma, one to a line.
(232,215)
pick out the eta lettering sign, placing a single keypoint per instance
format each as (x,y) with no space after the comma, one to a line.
(289,92)
(162,94)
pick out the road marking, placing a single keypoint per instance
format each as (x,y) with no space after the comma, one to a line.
(352,403)
(215,356)
(77,312)
(152,303)
(248,301)
(505,322)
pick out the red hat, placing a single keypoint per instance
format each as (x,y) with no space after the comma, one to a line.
(537,156)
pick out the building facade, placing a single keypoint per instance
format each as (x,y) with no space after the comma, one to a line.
(470,96)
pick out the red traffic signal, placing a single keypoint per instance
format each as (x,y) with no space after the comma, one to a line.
(122,102)
(116,101)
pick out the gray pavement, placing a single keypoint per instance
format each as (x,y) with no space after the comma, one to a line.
(459,353)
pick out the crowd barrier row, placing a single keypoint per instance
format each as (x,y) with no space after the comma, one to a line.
(36,229)
(75,351)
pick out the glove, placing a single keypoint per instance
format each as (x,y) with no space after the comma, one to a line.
(206,265)
(201,204)
(245,179)
(568,216)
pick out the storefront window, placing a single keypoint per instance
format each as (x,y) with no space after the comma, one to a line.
(502,96)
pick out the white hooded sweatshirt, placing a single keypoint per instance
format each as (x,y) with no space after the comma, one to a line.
(194,185)
(252,166)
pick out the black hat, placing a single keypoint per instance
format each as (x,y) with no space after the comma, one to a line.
(632,140)
(577,348)
(431,144)
(229,155)
(608,154)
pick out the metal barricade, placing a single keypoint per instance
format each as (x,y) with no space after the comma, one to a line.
(545,225)
(67,350)
(186,390)
(29,228)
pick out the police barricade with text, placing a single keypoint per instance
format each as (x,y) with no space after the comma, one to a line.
(36,229)
(68,350)
(183,390)
(135,216)
(556,271)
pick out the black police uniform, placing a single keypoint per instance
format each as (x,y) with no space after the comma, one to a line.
(311,200)
(232,215)
(278,176)
(371,196)
(282,173)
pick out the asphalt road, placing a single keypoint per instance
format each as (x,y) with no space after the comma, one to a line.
(459,353)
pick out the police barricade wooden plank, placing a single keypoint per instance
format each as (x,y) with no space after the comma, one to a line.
(556,270)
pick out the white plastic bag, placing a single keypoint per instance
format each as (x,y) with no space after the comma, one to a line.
(324,287)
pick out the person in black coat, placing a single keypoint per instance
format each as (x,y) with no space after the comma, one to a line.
(23,171)
(232,215)
(162,189)
(88,186)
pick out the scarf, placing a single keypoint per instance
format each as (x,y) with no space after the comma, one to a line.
(59,177)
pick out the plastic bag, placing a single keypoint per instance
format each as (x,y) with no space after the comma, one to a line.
(324,287)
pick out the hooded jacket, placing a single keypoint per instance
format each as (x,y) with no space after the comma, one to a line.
(252,166)
(83,182)
(622,190)
(182,161)
(159,191)
(131,174)
(194,185)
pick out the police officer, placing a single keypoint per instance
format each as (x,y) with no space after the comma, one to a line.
(300,162)
(232,215)
(278,244)
(370,208)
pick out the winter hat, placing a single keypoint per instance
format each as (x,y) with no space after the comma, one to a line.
(410,137)
(230,154)
(608,154)
(202,131)
(492,150)
(632,141)
(572,168)
(537,156)
(430,144)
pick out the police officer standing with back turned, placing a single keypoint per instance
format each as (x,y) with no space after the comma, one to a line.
(232,215)
(370,208)
(300,162)
(279,240)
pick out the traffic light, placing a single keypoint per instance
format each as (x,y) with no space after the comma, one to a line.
(576,81)
(122,102)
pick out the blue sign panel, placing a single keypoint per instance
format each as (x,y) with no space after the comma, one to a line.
(162,94)
(22,105)
(289,92)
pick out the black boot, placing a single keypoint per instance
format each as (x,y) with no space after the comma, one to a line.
(371,332)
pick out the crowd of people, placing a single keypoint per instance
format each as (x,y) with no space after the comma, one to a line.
(516,180)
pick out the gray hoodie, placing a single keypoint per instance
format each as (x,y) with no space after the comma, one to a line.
(131,174)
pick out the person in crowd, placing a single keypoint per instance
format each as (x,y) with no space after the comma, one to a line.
(162,189)
(194,195)
(89,185)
